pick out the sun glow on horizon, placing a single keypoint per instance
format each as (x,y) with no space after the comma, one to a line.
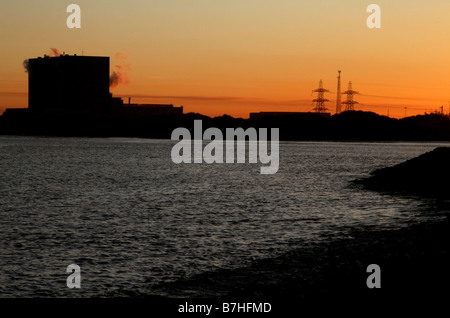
(237,57)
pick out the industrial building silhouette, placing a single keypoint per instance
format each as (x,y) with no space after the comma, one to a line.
(69,84)
(70,96)
(79,85)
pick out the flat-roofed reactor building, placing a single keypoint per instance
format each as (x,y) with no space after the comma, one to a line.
(79,85)
(68,83)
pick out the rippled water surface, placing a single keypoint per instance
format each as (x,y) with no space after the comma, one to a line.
(130,218)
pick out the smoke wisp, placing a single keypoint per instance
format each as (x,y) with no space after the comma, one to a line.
(54,52)
(26,65)
(120,75)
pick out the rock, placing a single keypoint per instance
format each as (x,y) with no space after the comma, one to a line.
(426,175)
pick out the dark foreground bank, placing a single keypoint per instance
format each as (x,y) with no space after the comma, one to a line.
(314,280)
(427,175)
(414,260)
(324,278)
(414,264)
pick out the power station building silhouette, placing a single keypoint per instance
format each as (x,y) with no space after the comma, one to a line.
(69,84)
(79,85)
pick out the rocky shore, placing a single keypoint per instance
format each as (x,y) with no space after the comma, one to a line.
(427,175)
(414,263)
(414,260)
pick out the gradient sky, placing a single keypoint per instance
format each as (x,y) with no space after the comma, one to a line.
(239,56)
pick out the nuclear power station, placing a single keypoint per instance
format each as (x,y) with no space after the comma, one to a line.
(69,84)
(79,85)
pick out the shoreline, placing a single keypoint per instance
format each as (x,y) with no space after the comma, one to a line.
(414,263)
(283,141)
(347,126)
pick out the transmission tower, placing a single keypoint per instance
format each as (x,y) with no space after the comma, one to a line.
(320,100)
(338,97)
(349,103)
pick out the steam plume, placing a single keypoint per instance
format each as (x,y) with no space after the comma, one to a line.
(54,52)
(120,75)
(26,65)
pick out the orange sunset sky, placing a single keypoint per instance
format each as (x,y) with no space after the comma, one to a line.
(239,56)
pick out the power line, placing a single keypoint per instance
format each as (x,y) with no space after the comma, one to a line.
(392,106)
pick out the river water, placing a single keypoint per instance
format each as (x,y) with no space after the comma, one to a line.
(131,218)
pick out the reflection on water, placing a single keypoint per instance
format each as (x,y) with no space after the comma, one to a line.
(126,214)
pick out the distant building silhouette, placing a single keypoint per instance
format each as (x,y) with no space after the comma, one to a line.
(78,85)
(145,110)
(287,114)
(68,83)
